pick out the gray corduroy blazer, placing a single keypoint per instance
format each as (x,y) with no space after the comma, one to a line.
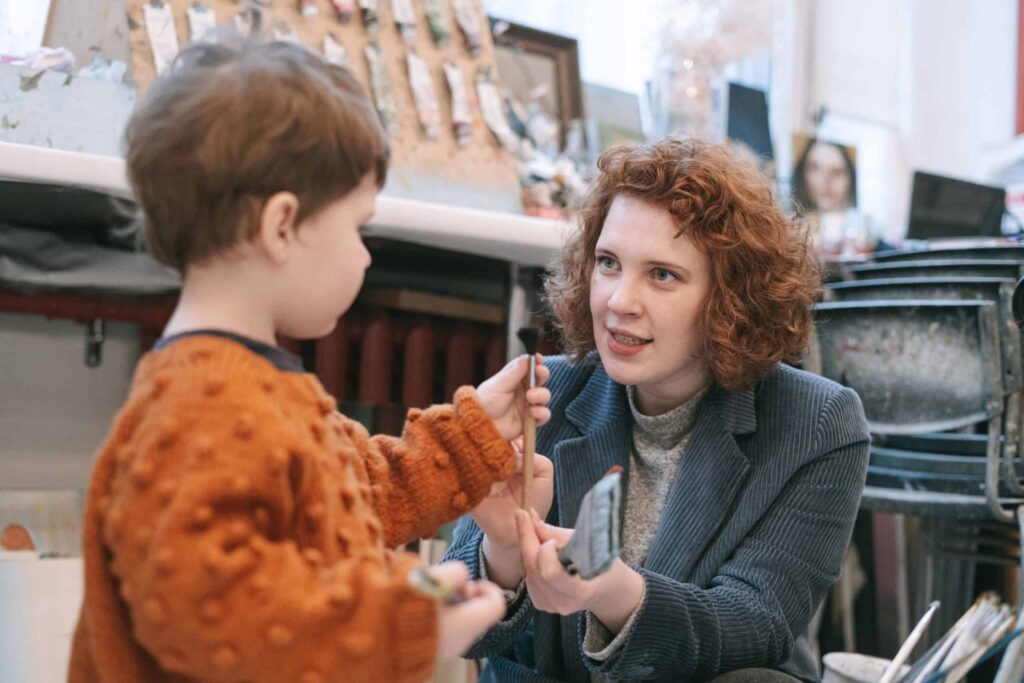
(751,537)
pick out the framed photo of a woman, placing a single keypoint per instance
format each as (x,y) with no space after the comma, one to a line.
(825,175)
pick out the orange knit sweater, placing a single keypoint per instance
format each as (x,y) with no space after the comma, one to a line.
(238,527)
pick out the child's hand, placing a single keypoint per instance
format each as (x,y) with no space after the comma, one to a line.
(506,397)
(495,514)
(462,624)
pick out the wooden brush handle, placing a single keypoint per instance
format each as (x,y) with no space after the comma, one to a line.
(529,446)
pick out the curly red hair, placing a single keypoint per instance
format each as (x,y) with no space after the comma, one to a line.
(764,281)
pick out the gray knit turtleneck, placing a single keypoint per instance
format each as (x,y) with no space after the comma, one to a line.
(658,445)
(659,442)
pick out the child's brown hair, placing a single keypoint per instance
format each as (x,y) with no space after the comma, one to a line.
(228,127)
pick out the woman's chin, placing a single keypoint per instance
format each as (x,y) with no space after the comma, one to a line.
(621,370)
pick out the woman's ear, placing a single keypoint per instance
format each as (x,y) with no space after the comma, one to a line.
(278,226)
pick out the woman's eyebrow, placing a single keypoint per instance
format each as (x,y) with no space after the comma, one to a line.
(668,265)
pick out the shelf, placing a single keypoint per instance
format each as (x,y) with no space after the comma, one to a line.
(519,239)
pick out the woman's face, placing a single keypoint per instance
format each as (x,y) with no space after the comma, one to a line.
(646,292)
(826,177)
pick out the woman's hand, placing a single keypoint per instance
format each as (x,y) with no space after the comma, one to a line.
(495,515)
(612,596)
(506,396)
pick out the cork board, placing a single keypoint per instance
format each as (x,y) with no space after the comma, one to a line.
(88,28)
(481,175)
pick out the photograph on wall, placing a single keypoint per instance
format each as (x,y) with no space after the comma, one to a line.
(824,175)
(824,195)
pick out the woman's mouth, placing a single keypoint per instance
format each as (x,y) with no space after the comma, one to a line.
(622,344)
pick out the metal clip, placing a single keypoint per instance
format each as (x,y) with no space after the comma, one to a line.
(94,337)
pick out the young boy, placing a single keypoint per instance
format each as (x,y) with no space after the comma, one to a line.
(237,526)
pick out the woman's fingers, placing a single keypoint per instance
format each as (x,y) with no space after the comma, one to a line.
(547,561)
(540,414)
(538,396)
(542,371)
(547,532)
(529,544)
(537,400)
(543,468)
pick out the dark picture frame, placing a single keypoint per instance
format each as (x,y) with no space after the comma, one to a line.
(563,53)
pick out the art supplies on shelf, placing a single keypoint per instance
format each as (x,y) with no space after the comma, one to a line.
(987,629)
(493,110)
(380,85)
(201,21)
(405,20)
(422,85)
(437,20)
(462,113)
(163,37)
(469,22)
(435,147)
(371,15)
(344,10)
(335,52)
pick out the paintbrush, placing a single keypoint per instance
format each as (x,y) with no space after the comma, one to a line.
(891,671)
(931,660)
(530,337)
(425,583)
(595,538)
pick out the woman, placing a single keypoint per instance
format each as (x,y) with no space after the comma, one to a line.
(678,299)
(824,179)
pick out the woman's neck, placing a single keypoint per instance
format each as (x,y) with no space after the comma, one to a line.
(657,399)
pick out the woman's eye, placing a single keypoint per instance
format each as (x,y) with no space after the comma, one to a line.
(606,262)
(662,275)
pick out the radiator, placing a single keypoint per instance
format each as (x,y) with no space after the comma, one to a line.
(379,356)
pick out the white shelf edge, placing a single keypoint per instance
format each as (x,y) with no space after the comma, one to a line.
(520,239)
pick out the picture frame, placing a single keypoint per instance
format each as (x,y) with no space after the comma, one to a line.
(541,66)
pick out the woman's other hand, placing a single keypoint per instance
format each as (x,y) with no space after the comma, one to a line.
(612,597)
(495,515)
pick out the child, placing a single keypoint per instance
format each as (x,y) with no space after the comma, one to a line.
(237,526)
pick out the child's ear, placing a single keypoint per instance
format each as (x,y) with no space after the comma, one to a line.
(278,226)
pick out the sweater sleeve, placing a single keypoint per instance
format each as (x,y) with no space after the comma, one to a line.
(200,526)
(768,590)
(443,465)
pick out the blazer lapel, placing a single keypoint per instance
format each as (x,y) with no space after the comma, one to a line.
(601,414)
(712,471)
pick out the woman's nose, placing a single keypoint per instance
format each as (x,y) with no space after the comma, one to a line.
(624,299)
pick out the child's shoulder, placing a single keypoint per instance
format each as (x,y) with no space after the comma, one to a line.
(210,378)
(200,406)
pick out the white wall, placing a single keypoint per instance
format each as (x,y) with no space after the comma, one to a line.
(965,57)
(55,411)
(915,85)
(616,42)
(856,57)
(21,25)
